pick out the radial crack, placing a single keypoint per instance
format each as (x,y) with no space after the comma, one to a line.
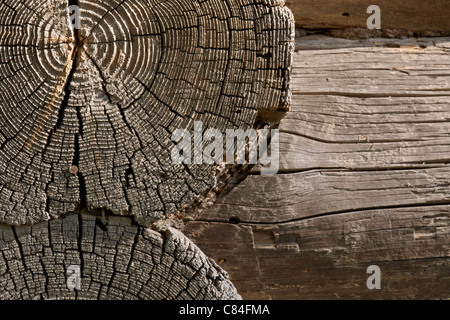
(74,59)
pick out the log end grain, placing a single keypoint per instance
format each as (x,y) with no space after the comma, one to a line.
(86,115)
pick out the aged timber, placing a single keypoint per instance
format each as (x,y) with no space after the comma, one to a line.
(364,180)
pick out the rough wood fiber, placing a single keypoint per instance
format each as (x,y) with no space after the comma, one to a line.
(364,180)
(124,261)
(327,257)
(86,117)
(412,15)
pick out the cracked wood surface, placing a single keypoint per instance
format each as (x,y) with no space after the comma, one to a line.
(124,262)
(363,180)
(86,118)
(86,115)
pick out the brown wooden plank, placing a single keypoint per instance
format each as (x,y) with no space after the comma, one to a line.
(368,107)
(327,257)
(363,180)
(373,71)
(320,41)
(287,197)
(304,153)
(413,15)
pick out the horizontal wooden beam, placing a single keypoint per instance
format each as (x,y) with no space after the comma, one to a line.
(412,15)
(327,257)
(363,180)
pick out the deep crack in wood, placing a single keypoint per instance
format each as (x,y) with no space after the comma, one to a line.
(105,99)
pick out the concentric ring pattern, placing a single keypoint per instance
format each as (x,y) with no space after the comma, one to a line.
(86,115)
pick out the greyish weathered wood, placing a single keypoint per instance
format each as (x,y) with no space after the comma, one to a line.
(327,257)
(123,262)
(364,180)
(86,117)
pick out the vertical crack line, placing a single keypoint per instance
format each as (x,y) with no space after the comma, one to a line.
(114,268)
(47,280)
(133,250)
(19,245)
(78,43)
(63,84)
(129,174)
(76,162)
(80,249)
(74,59)
(50,243)
(66,89)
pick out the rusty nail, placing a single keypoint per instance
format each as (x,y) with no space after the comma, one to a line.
(73,169)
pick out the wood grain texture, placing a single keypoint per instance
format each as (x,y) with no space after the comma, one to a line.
(117,261)
(363,180)
(413,15)
(86,115)
(86,122)
(327,257)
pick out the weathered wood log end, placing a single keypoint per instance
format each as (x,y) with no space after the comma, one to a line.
(80,257)
(87,114)
(91,94)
